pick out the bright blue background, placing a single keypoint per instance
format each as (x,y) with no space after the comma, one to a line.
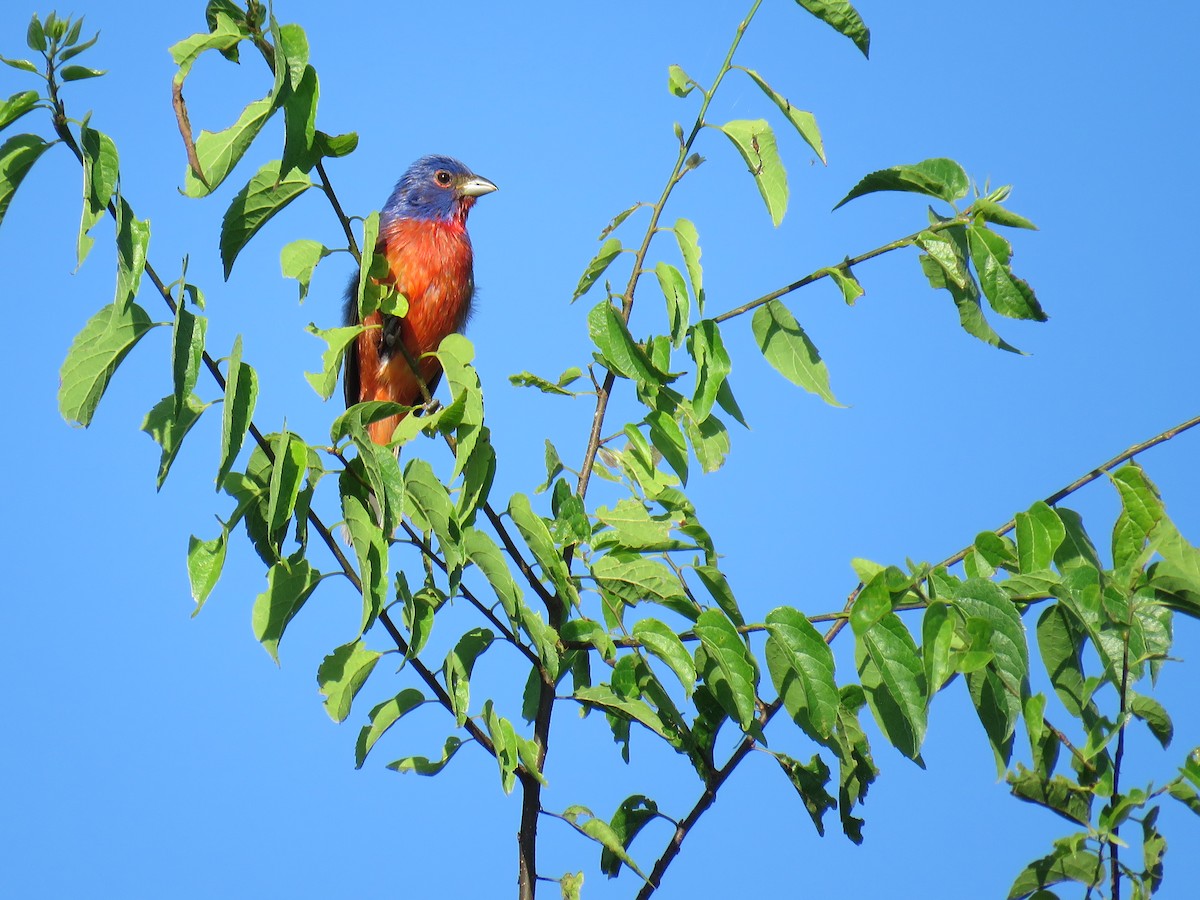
(148,754)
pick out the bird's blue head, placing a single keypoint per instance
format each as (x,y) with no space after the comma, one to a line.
(436,188)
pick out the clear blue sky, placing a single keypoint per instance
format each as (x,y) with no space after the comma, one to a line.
(148,754)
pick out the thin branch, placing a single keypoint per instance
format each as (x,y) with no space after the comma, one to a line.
(962,218)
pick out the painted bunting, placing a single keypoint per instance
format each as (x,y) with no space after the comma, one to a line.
(423,237)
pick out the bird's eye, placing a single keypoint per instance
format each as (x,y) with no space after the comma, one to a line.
(442,177)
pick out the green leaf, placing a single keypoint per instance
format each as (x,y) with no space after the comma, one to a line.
(17,156)
(1082,866)
(290,583)
(631,578)
(1039,533)
(939,177)
(944,247)
(16,106)
(670,280)
(169,428)
(804,122)
(287,472)
(631,816)
(536,533)
(787,348)
(609,251)
(843,18)
(338,341)
(342,673)
(873,602)
(35,37)
(710,440)
(689,247)
(810,782)
(370,544)
(300,122)
(619,218)
(337,145)
(1155,715)
(78,73)
(717,585)
(133,239)
(1008,295)
(241,394)
(100,167)
(846,281)
(893,678)
(205,560)
(224,35)
(712,365)
(432,510)
(966,299)
(219,152)
(937,634)
(22,65)
(422,765)
(603,696)
(299,258)
(625,356)
(999,691)
(1058,794)
(996,214)
(729,671)
(660,640)
(668,439)
(528,379)
(187,353)
(755,141)
(459,664)
(504,742)
(383,717)
(679,82)
(94,356)
(801,667)
(632,526)
(263,196)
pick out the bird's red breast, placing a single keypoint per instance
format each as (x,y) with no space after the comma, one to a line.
(429,262)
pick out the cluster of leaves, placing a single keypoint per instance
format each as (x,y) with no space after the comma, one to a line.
(626,597)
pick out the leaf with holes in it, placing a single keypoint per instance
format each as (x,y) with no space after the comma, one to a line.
(631,816)
(755,141)
(787,348)
(94,356)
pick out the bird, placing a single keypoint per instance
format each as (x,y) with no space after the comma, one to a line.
(423,237)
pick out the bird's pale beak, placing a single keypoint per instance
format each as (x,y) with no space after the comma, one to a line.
(475,186)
